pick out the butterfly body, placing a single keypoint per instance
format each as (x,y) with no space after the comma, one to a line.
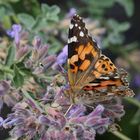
(92,76)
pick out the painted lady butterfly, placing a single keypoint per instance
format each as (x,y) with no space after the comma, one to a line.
(92,76)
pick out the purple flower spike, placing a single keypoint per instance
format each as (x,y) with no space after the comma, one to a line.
(15,33)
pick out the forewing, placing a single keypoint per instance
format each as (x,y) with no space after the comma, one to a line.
(82,52)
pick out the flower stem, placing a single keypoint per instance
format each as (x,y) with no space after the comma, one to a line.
(120,135)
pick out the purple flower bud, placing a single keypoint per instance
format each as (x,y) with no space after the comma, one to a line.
(1,120)
(62,57)
(56,124)
(71,13)
(97,122)
(61,135)
(79,130)
(10,123)
(17,133)
(92,121)
(9,100)
(76,111)
(88,135)
(21,52)
(61,119)
(4,87)
(37,42)
(97,111)
(101,130)
(48,61)
(15,33)
(78,119)
(43,51)
(44,120)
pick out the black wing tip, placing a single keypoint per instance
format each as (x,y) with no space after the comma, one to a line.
(77,18)
(78,29)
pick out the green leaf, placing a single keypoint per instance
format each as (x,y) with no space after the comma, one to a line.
(2,12)
(55,46)
(116,38)
(118,27)
(10,56)
(48,16)
(7,22)
(40,24)
(123,26)
(136,118)
(18,79)
(50,13)
(23,70)
(54,9)
(27,20)
(44,8)
(128,6)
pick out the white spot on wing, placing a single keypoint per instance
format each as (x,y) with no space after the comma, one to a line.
(110,94)
(79,27)
(116,77)
(76,25)
(93,84)
(81,34)
(106,78)
(71,26)
(72,39)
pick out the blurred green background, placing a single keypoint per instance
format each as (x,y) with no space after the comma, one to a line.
(115,23)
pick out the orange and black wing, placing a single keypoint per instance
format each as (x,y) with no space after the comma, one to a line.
(109,81)
(82,52)
(91,74)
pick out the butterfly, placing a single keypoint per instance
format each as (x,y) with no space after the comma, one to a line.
(92,75)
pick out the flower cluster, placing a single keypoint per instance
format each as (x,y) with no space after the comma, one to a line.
(40,107)
(55,125)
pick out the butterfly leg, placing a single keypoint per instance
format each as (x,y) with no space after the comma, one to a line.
(89,106)
(68,109)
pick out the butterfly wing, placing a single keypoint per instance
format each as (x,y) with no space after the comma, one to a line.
(92,75)
(109,82)
(82,52)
